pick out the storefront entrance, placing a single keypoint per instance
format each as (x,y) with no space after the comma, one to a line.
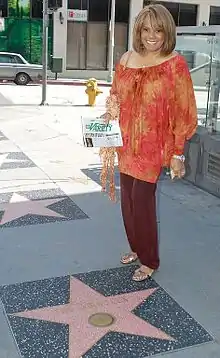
(88,33)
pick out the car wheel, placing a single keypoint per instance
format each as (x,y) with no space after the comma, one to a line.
(22,79)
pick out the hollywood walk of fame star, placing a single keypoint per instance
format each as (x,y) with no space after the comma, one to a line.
(2,136)
(4,159)
(84,302)
(20,205)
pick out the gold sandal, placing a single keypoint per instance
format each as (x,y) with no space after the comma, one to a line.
(141,275)
(129,258)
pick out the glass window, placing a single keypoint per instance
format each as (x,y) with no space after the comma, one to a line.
(183,14)
(214,18)
(7,59)
(187,15)
(78,4)
(3,8)
(19,9)
(173,9)
(37,9)
(190,57)
(4,59)
(99,10)
(171,6)
(200,47)
(148,2)
(122,11)
(17,59)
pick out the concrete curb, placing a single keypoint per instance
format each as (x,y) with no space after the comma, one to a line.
(76,83)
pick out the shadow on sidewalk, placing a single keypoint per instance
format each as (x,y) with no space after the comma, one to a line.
(89,250)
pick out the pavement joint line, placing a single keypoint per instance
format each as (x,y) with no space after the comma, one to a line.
(9,327)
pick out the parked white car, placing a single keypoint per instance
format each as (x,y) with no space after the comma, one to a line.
(15,68)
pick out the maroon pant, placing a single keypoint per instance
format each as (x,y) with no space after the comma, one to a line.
(138,205)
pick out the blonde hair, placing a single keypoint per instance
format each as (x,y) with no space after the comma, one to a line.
(160,17)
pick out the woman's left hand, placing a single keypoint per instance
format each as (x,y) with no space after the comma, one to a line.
(177,168)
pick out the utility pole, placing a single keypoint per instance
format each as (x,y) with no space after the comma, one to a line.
(111,43)
(45,51)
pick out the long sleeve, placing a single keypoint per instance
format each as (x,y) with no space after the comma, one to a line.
(108,155)
(184,121)
(113,90)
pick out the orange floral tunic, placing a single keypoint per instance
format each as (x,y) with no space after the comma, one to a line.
(157,114)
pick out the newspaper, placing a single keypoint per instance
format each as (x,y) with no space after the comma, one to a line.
(98,133)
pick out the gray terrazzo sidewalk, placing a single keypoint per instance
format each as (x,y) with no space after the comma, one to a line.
(83,234)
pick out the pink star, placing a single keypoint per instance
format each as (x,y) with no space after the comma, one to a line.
(20,206)
(83,302)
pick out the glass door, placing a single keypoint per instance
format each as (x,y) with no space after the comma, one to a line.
(76,45)
(198,51)
(213,106)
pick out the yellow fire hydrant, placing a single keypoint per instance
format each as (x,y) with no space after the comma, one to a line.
(92,91)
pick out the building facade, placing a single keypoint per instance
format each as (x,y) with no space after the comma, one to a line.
(79,31)
(23,29)
(85,27)
(89,37)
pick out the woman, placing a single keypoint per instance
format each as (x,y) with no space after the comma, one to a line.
(152,96)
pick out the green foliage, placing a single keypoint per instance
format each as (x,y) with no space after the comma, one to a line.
(24,36)
(19,8)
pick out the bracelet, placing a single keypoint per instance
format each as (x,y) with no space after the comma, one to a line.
(180,157)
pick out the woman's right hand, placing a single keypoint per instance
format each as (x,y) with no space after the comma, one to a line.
(106,116)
